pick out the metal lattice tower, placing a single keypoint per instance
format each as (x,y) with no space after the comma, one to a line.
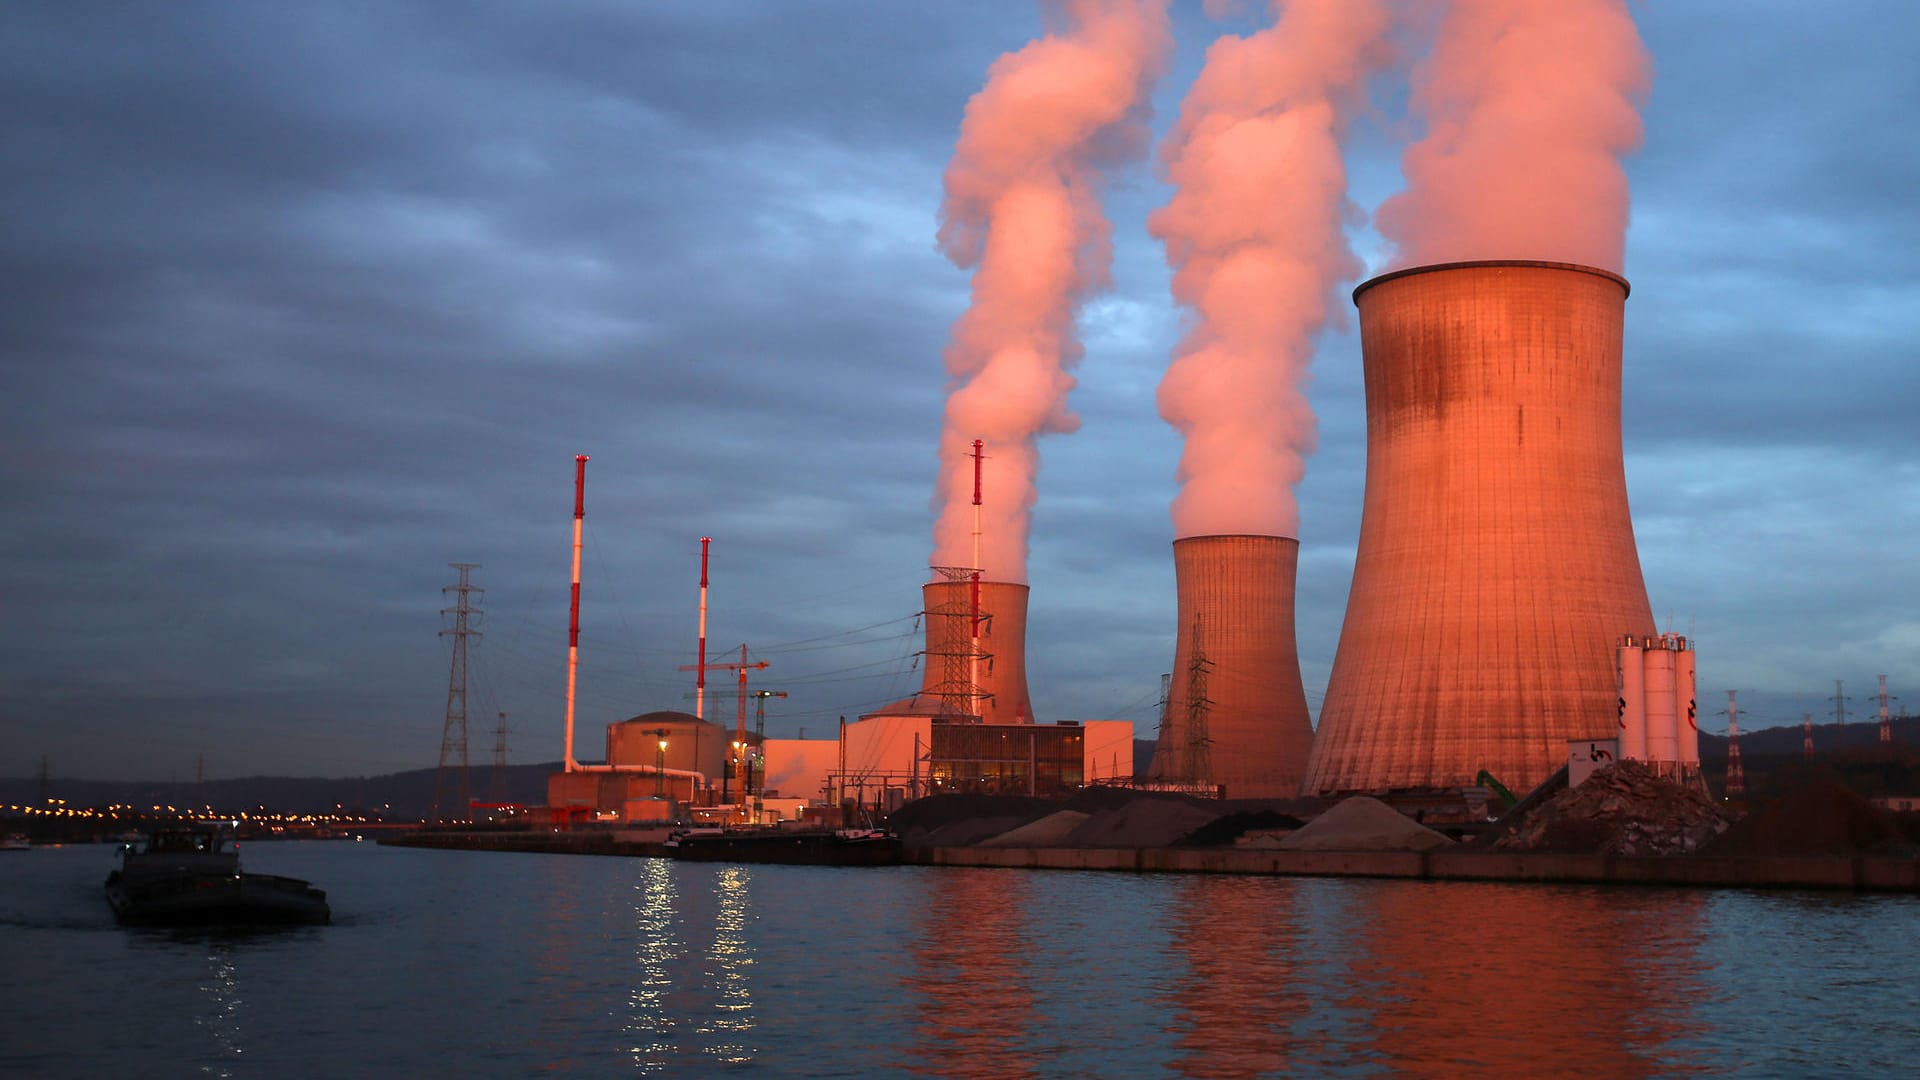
(1199,746)
(453,735)
(959,694)
(1886,722)
(1166,706)
(497,786)
(1839,705)
(1736,775)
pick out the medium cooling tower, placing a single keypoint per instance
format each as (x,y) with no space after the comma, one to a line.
(1002,670)
(1496,566)
(1236,713)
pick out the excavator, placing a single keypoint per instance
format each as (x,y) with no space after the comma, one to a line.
(1486,780)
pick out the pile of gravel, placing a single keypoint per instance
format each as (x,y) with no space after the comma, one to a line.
(1362,823)
(1049,831)
(1624,809)
(1141,823)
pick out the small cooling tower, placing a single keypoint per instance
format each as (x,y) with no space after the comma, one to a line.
(949,666)
(1236,714)
(1496,568)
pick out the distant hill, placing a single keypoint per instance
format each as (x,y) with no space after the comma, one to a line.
(405,796)
(1791,739)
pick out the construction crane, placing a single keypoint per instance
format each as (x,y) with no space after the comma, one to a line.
(759,742)
(740,728)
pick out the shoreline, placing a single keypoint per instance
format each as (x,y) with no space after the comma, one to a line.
(1857,873)
(1860,873)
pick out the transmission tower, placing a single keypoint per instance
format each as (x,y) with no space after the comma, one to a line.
(1166,710)
(497,787)
(453,736)
(1806,728)
(1839,705)
(960,657)
(1736,776)
(1199,746)
(1886,722)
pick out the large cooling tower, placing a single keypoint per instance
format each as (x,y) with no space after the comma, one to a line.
(1496,566)
(1236,713)
(1002,670)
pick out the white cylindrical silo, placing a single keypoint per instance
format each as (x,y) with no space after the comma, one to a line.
(1631,677)
(1685,706)
(1663,741)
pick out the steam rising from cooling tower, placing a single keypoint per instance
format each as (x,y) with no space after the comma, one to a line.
(1254,236)
(1496,565)
(1236,713)
(1022,209)
(1528,106)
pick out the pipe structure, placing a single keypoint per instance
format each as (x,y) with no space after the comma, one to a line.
(1496,567)
(568,764)
(973,661)
(700,679)
(1237,713)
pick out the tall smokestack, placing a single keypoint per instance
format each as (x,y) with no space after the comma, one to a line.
(1496,565)
(947,685)
(1236,713)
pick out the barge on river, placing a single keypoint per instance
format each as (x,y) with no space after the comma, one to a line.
(190,876)
(804,847)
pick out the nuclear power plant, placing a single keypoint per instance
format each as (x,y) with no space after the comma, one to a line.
(1496,568)
(1497,612)
(1236,715)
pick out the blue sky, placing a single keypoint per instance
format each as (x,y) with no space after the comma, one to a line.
(304,302)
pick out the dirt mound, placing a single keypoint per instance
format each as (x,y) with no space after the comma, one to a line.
(964,819)
(1231,827)
(1625,809)
(1362,823)
(1141,823)
(1822,818)
(1049,831)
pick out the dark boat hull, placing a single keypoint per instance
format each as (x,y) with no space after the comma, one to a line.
(795,848)
(234,900)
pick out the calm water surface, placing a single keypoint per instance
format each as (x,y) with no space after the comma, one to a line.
(480,964)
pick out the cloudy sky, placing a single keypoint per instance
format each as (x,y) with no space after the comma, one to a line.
(300,303)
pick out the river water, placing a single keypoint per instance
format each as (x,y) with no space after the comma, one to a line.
(444,963)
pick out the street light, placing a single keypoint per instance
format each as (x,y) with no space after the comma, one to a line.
(660,770)
(726,780)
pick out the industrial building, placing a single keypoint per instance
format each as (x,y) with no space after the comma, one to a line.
(1496,568)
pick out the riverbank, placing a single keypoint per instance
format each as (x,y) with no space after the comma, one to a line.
(1861,873)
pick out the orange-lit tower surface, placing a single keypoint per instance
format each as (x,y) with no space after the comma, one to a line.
(955,680)
(1236,712)
(1496,566)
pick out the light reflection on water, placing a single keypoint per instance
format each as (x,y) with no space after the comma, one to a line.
(221,1017)
(967,974)
(496,965)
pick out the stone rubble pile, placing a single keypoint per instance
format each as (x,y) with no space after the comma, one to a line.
(1625,809)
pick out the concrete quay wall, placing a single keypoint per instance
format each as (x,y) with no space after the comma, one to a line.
(1879,873)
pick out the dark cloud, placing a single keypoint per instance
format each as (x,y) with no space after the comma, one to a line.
(300,303)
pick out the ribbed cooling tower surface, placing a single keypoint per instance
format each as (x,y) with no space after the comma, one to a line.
(1496,567)
(1236,713)
(1002,671)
